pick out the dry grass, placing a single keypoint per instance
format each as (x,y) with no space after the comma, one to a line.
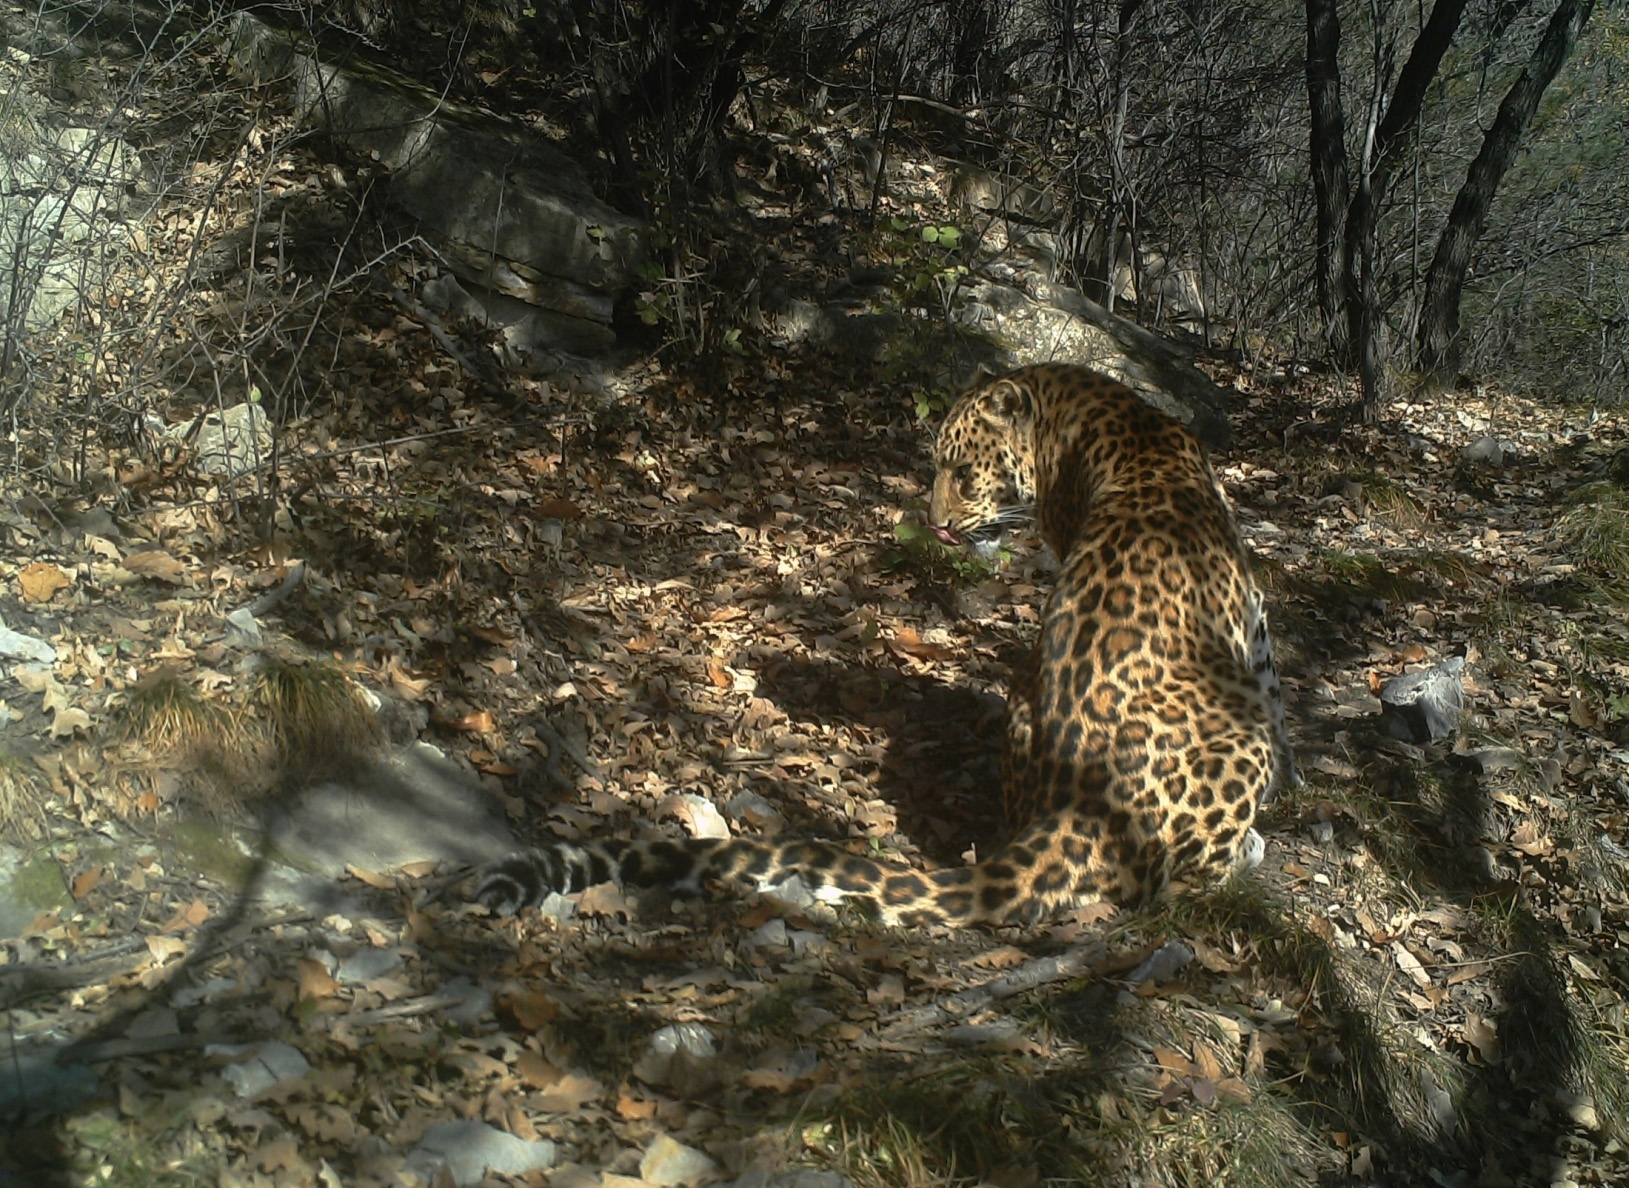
(22,798)
(316,717)
(1595,529)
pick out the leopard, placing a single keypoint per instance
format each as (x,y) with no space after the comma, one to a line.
(1144,731)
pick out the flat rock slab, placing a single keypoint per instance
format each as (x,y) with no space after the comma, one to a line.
(414,806)
(471,1151)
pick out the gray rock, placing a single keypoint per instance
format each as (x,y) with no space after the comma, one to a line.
(62,190)
(268,1064)
(1047,321)
(411,806)
(1162,965)
(22,647)
(668,1162)
(367,965)
(1426,705)
(1489,760)
(676,1056)
(1486,451)
(30,883)
(474,1006)
(513,215)
(228,442)
(471,1151)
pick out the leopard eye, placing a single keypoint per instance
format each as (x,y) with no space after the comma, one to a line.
(964,472)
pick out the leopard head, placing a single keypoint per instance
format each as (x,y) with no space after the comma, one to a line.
(984,459)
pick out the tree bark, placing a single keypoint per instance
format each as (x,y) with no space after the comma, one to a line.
(1391,137)
(1329,180)
(1437,338)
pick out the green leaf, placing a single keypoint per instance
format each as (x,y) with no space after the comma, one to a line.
(930,234)
(950,237)
(907,531)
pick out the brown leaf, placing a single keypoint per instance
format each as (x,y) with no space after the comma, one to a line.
(41,580)
(1483,1036)
(530,1010)
(569,1093)
(315,981)
(1093,913)
(479,722)
(410,688)
(633,1109)
(909,641)
(164,948)
(43,922)
(1526,839)
(719,673)
(85,881)
(1207,1061)
(604,900)
(643,642)
(1214,960)
(324,1121)
(68,721)
(284,1156)
(155,563)
(1409,964)
(372,878)
(192,915)
(147,802)
(1003,957)
(1173,1061)
(537,1071)
(559,510)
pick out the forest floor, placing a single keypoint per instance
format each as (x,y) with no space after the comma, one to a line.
(697,580)
(1424,979)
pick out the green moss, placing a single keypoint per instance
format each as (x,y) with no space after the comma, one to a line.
(38,883)
(208,847)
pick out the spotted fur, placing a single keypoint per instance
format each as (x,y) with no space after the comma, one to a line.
(1147,727)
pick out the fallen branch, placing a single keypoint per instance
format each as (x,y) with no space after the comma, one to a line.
(1027,977)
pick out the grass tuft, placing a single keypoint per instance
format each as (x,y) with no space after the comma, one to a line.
(316,715)
(22,798)
(1595,529)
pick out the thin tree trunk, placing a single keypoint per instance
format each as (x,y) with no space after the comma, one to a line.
(1329,180)
(1389,135)
(1437,339)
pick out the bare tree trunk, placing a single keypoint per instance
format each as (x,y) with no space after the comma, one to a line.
(1437,339)
(1348,284)
(1329,181)
(1120,196)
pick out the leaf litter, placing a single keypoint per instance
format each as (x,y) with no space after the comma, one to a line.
(677,602)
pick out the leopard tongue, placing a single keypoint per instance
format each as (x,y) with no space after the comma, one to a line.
(945,535)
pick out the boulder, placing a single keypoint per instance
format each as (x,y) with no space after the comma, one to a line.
(513,215)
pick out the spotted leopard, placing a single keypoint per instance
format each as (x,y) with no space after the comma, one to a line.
(1143,734)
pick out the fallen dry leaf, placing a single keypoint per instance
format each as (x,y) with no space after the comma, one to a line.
(315,981)
(156,563)
(604,900)
(85,881)
(165,948)
(41,581)
(568,1094)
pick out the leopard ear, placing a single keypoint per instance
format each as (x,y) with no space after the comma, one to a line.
(1006,401)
